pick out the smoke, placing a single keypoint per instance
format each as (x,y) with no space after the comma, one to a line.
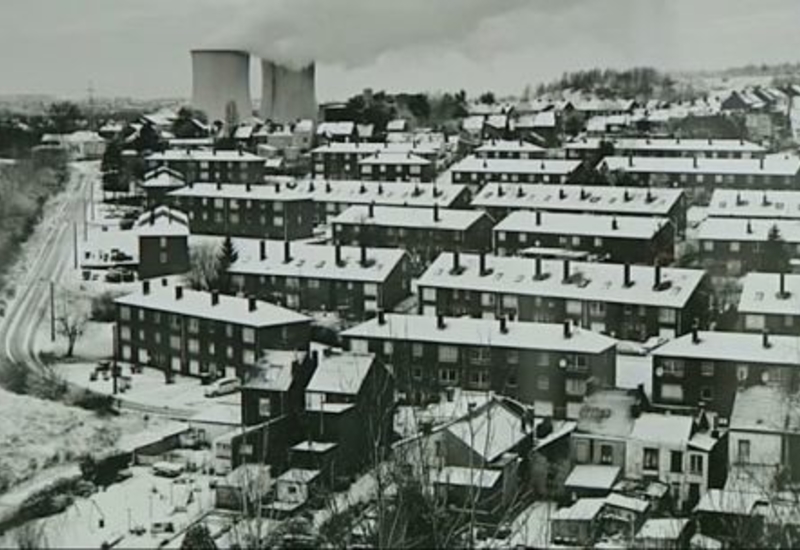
(356,32)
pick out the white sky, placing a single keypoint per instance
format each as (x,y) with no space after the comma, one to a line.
(140,48)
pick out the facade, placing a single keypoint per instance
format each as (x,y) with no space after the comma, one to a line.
(201,333)
(341,160)
(157,183)
(499,200)
(735,246)
(706,368)
(507,149)
(546,365)
(755,204)
(244,210)
(386,166)
(476,172)
(423,232)
(163,243)
(770,301)
(624,301)
(354,282)
(214,165)
(624,239)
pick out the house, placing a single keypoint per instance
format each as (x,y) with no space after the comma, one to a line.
(476,172)
(336,131)
(543,126)
(158,183)
(707,368)
(624,515)
(272,211)
(624,301)
(664,534)
(500,199)
(163,243)
(276,388)
(721,148)
(334,198)
(341,161)
(214,165)
(578,524)
(506,149)
(389,166)
(201,334)
(754,204)
(624,239)
(294,488)
(423,232)
(549,365)
(354,282)
(735,246)
(743,100)
(770,301)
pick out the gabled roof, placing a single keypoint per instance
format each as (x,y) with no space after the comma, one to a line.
(341,373)
(490,432)
(752,203)
(396,193)
(467,477)
(201,155)
(241,191)
(761,294)
(508,146)
(585,509)
(740,229)
(345,128)
(516,166)
(734,347)
(388,157)
(274,370)
(662,529)
(559,223)
(407,217)
(162,221)
(773,165)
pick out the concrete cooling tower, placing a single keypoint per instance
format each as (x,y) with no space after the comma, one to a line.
(287,94)
(221,78)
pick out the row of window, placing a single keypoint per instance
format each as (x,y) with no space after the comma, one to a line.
(719,179)
(232,204)
(651,460)
(143,357)
(464,177)
(234,218)
(736,246)
(193,324)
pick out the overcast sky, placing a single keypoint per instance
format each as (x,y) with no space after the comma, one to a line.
(140,48)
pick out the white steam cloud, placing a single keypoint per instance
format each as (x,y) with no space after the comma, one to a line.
(357,32)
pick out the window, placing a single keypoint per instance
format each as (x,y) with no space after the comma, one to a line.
(707,368)
(510,302)
(479,378)
(370,289)
(277,221)
(229,352)
(734,246)
(574,307)
(512,357)
(248,336)
(448,376)
(417,350)
(708,246)
(676,462)
(487,299)
(416,373)
(448,354)
(193,326)
(606,454)
(429,294)
(264,406)
(175,343)
(672,392)
(249,357)
(543,382)
(742,373)
(696,464)
(576,241)
(511,381)
(598,242)
(582,452)
(125,313)
(650,459)
(754,322)
(125,333)
(597,309)
(673,367)
(743,451)
(667,315)
(194,345)
(576,387)
(388,348)
(501,236)
(706,394)
(480,356)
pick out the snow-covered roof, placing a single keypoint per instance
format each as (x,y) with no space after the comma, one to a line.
(544,119)
(162,222)
(467,477)
(735,347)
(585,509)
(241,191)
(398,193)
(310,446)
(559,223)
(775,165)
(468,331)
(741,229)
(508,146)
(588,281)
(298,475)
(607,413)
(673,145)
(491,432)
(752,203)
(473,123)
(670,430)
(765,409)
(761,294)
(662,529)
(229,309)
(344,128)
(407,217)
(593,476)
(274,370)
(318,261)
(584,198)
(396,125)
(728,502)
(389,157)
(202,155)
(163,177)
(515,166)
(627,503)
(340,372)
(371,148)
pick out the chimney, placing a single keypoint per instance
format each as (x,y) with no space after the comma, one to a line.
(765,339)
(145,287)
(520,192)
(614,223)
(761,163)
(567,328)
(749,227)
(630,160)
(440,321)
(649,198)
(562,194)
(584,194)
(503,325)
(262,250)
(311,187)
(178,292)
(483,269)
(500,191)
(380,189)
(214,297)
(371,210)
(381,317)
(627,281)
(566,270)
(248,187)
(739,201)
(337,249)
(537,268)
(657,276)
(164,282)
(362,189)
(219,186)
(287,251)
(364,259)
(456,261)
(436,212)
(277,187)
(626,196)
(328,187)
(538,217)
(695,333)
(764,200)
(694,162)
(782,294)
(251,303)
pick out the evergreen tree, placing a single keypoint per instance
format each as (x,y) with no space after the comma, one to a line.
(227,257)
(774,255)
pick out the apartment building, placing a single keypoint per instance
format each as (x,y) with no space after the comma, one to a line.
(214,165)
(546,364)
(723,148)
(163,236)
(341,160)
(500,199)
(272,211)
(158,182)
(352,281)
(201,334)
(624,301)
(754,204)
(394,167)
(770,301)
(509,149)
(623,239)
(476,172)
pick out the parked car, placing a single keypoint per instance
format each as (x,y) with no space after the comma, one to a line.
(223,386)
(168,469)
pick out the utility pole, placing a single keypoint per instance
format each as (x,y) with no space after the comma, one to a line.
(52,312)
(75,244)
(85,222)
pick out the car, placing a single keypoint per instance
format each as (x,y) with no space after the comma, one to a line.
(168,469)
(223,386)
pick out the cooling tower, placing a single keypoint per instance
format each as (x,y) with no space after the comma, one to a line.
(287,94)
(221,78)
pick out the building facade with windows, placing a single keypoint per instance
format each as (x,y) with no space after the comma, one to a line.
(509,149)
(720,148)
(754,204)
(163,236)
(214,165)
(395,167)
(337,160)
(476,172)
(770,301)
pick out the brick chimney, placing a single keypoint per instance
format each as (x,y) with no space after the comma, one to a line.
(456,261)
(627,281)
(765,343)
(503,325)
(287,251)
(436,216)
(145,287)
(614,224)
(262,250)
(178,292)
(337,250)
(214,297)
(538,217)
(251,303)
(371,210)
(482,261)
(381,317)
(657,276)
(566,271)
(364,259)
(782,293)
(567,325)
(440,324)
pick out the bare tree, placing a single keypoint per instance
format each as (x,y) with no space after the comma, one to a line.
(203,271)
(30,536)
(74,315)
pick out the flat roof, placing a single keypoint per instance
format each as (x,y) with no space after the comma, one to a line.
(220,155)
(761,294)
(314,446)
(588,282)
(467,477)
(735,347)
(598,225)
(662,528)
(318,261)
(674,430)
(741,229)
(752,203)
(298,475)
(468,331)
(593,476)
(585,509)
(765,409)
(411,218)
(398,193)
(775,165)
(588,198)
(241,191)
(516,166)
(230,309)
(627,503)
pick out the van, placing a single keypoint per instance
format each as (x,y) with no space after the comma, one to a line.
(223,386)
